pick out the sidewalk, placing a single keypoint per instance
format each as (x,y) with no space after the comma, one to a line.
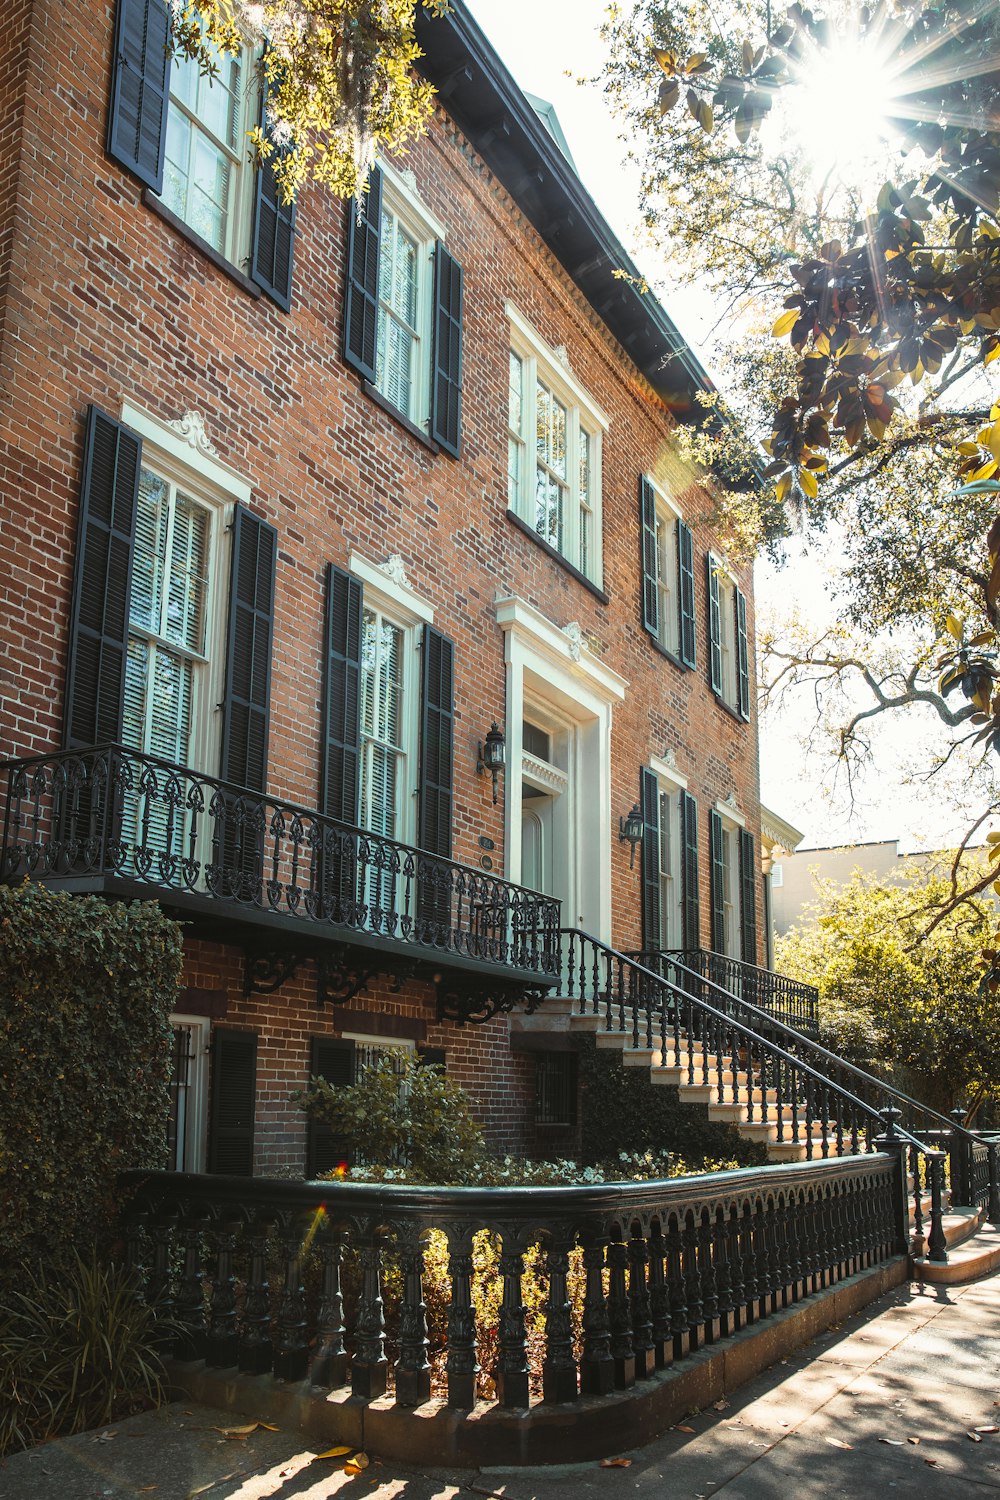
(837,1419)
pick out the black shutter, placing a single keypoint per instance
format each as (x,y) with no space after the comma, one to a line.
(102,582)
(748,899)
(234,1099)
(431,1057)
(273,245)
(364,223)
(341,748)
(689,839)
(437,721)
(714,626)
(647,532)
(685,570)
(140,89)
(246,706)
(331,1058)
(649,804)
(718,882)
(446,373)
(742,656)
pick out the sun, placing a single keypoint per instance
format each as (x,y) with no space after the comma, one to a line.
(838,109)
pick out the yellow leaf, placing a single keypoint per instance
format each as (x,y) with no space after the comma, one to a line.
(785,323)
(695,61)
(994,440)
(991,354)
(667,62)
(987,470)
(782,487)
(335,1452)
(239,1432)
(809,483)
(953,625)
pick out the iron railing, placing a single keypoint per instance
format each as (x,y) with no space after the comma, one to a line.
(666,1267)
(111,812)
(788,1000)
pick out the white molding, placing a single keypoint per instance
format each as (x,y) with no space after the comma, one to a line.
(403,189)
(729,811)
(389,581)
(541,773)
(778,832)
(526,339)
(520,620)
(664,497)
(666,770)
(186,450)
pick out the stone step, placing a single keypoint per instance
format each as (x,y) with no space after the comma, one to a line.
(971,1259)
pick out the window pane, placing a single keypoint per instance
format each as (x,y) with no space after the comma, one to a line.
(185,622)
(515,397)
(150,551)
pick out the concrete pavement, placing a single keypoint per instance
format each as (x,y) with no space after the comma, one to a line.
(883,1403)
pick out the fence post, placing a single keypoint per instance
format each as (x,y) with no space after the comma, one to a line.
(937,1245)
(959,1150)
(896,1147)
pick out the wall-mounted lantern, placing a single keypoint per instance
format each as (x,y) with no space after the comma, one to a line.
(492,755)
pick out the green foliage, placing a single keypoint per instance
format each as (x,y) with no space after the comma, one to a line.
(403,1112)
(339,73)
(896,998)
(86,988)
(77,1350)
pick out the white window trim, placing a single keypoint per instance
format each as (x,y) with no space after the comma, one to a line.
(400,197)
(399,595)
(733,822)
(364,1039)
(727,580)
(730,814)
(550,670)
(669,639)
(665,772)
(540,361)
(196,1131)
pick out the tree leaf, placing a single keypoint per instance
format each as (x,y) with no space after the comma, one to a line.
(785,323)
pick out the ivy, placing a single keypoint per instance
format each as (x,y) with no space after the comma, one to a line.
(86,990)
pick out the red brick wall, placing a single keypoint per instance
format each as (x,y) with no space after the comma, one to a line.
(105,301)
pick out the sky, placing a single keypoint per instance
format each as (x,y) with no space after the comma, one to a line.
(548,45)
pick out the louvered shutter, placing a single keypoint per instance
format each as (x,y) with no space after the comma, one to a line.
(685,570)
(718,883)
(691,937)
(273,245)
(246,706)
(341,697)
(748,899)
(446,374)
(140,89)
(742,656)
(364,221)
(437,724)
(647,532)
(234,1100)
(331,1058)
(649,805)
(714,625)
(98,636)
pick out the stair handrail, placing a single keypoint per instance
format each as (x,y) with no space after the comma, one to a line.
(773,1047)
(800,1036)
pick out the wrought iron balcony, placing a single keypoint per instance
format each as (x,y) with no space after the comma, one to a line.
(286,881)
(788,1000)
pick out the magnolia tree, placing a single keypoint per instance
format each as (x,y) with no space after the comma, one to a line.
(338,73)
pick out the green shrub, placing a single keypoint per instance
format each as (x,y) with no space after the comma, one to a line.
(77,1350)
(86,989)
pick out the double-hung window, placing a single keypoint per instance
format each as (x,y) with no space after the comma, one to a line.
(667,573)
(554,433)
(728,648)
(386,654)
(403,308)
(670,906)
(733,887)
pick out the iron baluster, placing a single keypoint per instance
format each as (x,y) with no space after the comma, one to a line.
(463,1367)
(659,1299)
(719,1227)
(692,1280)
(619,1317)
(291,1351)
(254,1355)
(597,1367)
(639,1301)
(677,1287)
(413,1370)
(329,1363)
(937,1245)
(222,1344)
(559,1379)
(189,1308)
(512,1356)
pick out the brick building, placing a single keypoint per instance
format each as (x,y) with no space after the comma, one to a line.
(297,504)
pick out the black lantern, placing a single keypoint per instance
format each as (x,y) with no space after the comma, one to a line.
(493,755)
(630,831)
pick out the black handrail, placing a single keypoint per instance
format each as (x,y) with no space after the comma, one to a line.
(111,811)
(790,1000)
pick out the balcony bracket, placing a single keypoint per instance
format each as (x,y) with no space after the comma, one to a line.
(339,977)
(465,1003)
(265,970)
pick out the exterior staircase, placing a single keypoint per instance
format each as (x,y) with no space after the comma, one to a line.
(778,1086)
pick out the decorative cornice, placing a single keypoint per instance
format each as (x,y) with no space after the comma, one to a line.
(191,427)
(541,771)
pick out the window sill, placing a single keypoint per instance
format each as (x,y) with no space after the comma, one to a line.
(411,427)
(670,655)
(563,562)
(733,713)
(186,232)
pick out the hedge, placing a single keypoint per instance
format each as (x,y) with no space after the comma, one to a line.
(86,990)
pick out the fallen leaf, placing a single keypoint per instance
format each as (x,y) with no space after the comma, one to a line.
(361,1459)
(616,1463)
(268,1426)
(720,1405)
(913,1440)
(239,1432)
(973,1437)
(931,1463)
(839,1443)
(893,1442)
(993,1428)
(680,1428)
(335,1452)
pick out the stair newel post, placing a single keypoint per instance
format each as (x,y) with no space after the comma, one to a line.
(329,1363)
(917,1244)
(639,1303)
(413,1370)
(512,1356)
(291,1352)
(659,1299)
(891,1142)
(993,1207)
(597,1368)
(937,1245)
(619,1315)
(463,1366)
(189,1308)
(960,1153)
(255,1353)
(677,1287)
(222,1344)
